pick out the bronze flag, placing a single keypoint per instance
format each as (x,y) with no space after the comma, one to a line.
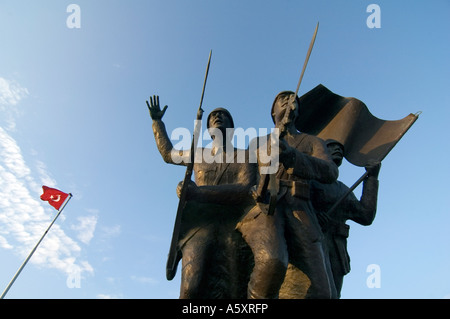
(349,121)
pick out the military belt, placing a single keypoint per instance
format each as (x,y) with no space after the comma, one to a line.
(299,189)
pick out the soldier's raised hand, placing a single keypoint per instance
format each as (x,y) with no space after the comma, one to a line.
(155,110)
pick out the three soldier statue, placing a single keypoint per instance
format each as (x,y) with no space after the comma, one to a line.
(269,221)
(236,242)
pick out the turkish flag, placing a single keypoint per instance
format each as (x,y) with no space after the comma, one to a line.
(54,196)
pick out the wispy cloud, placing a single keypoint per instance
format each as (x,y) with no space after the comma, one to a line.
(111,231)
(11,92)
(10,95)
(23,218)
(44,175)
(85,228)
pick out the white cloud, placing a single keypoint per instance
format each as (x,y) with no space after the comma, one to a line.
(10,95)
(85,228)
(44,175)
(111,231)
(11,92)
(11,156)
(23,218)
(4,243)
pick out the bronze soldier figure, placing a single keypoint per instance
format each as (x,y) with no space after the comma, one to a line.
(209,244)
(292,234)
(334,226)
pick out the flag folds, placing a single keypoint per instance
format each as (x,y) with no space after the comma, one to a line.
(54,196)
(349,121)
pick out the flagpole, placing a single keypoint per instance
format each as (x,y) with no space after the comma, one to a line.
(34,249)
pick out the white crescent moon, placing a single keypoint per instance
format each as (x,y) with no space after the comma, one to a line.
(55,200)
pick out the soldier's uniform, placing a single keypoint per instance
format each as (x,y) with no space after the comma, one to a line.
(335,229)
(292,234)
(209,244)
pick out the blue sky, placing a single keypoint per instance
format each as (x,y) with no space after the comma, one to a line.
(73,116)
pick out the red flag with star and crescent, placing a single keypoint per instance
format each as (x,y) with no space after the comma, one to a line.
(54,196)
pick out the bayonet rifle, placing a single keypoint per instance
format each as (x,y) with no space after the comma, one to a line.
(174,255)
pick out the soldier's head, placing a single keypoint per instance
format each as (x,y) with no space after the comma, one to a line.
(221,119)
(336,150)
(280,106)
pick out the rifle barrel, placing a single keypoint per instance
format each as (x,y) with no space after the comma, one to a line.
(172,258)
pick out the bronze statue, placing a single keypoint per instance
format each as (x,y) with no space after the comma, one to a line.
(209,245)
(243,231)
(333,224)
(292,234)
(232,244)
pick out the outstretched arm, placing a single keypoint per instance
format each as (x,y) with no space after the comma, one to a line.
(163,142)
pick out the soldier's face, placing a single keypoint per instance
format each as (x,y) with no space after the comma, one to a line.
(282,104)
(220,120)
(336,152)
